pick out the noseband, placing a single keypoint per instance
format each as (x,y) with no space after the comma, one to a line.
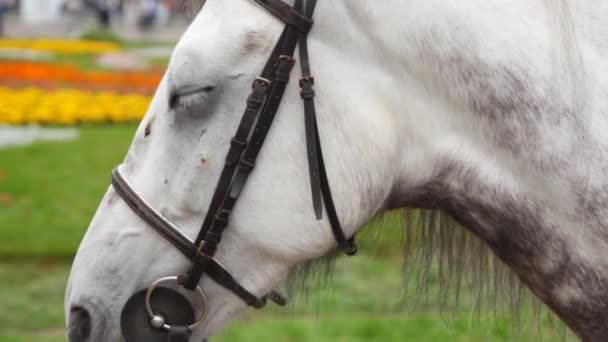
(262,106)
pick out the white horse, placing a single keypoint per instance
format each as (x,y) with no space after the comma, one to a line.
(493,111)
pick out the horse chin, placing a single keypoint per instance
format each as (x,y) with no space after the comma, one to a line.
(223,308)
(216,322)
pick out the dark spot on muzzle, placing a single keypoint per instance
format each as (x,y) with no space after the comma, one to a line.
(148,130)
(135,321)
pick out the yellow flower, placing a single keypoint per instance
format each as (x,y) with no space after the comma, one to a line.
(61,46)
(69,106)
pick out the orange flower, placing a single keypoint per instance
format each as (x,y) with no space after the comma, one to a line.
(46,74)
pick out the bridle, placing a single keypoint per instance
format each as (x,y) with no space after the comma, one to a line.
(262,106)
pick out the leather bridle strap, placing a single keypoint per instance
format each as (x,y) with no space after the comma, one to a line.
(152,217)
(240,164)
(287,14)
(262,106)
(176,237)
(307,94)
(245,148)
(318,175)
(255,101)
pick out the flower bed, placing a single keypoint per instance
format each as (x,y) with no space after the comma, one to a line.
(61,46)
(49,75)
(69,106)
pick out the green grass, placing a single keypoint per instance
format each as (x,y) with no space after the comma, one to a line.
(348,309)
(31,296)
(54,190)
(88,62)
(82,62)
(101,35)
(159,63)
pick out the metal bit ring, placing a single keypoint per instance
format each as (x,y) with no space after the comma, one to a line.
(158,321)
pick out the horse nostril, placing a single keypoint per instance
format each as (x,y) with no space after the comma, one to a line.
(79,327)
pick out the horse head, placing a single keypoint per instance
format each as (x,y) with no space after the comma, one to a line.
(415,105)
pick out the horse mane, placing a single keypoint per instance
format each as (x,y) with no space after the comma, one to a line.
(442,263)
(467,272)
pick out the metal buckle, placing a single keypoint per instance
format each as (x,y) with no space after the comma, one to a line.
(199,250)
(158,321)
(286,58)
(260,81)
(222,216)
(307,80)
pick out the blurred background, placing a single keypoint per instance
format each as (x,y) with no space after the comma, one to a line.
(75,78)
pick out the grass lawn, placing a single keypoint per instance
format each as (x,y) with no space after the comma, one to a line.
(49,193)
(348,309)
(53,189)
(90,62)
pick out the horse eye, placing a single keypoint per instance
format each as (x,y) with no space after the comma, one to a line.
(176,94)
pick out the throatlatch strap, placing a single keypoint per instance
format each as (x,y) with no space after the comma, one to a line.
(318,175)
(307,94)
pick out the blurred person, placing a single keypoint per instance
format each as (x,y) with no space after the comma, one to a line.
(71,6)
(102,10)
(170,6)
(4,7)
(148,13)
(116,8)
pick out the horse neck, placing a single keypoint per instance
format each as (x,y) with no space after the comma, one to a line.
(503,133)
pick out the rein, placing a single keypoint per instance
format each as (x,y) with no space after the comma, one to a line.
(262,105)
